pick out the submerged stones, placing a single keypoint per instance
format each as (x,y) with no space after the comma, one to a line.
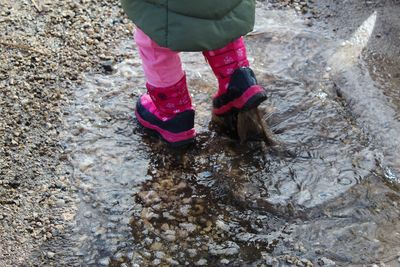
(178,224)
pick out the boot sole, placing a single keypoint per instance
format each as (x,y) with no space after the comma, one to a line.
(250,99)
(173,139)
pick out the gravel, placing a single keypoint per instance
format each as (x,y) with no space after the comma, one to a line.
(45,47)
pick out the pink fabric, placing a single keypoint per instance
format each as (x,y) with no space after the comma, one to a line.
(170,100)
(226,60)
(162,66)
(149,105)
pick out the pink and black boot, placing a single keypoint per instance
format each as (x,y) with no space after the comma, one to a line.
(238,89)
(168,111)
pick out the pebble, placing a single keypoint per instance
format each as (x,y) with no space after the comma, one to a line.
(172,261)
(230,248)
(104,261)
(201,262)
(60,203)
(159,254)
(222,225)
(87,214)
(156,262)
(156,246)
(189,227)
(192,252)
(327,262)
(224,261)
(50,255)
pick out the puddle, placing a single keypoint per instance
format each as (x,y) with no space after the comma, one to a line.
(222,203)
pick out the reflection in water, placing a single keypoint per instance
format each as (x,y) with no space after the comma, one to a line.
(320,196)
(348,55)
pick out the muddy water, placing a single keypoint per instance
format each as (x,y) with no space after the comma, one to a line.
(328,194)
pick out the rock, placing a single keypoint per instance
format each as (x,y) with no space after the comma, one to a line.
(51,255)
(271,261)
(172,261)
(189,227)
(60,203)
(307,263)
(224,261)
(192,252)
(104,261)
(87,214)
(326,262)
(165,227)
(159,254)
(156,246)
(201,262)
(229,248)
(156,262)
(222,225)
(108,66)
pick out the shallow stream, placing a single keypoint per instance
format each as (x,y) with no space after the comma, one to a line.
(328,194)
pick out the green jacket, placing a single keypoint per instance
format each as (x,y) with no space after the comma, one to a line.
(192,25)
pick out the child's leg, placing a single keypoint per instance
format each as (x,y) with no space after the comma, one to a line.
(226,60)
(167,107)
(238,89)
(161,66)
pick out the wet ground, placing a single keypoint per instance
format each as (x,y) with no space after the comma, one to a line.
(327,195)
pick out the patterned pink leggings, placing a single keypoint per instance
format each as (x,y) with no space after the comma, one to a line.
(163,67)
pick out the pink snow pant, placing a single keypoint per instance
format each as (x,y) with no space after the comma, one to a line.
(162,66)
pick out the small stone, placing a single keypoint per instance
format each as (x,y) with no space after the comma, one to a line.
(60,203)
(87,214)
(50,255)
(108,66)
(222,225)
(308,22)
(165,227)
(148,241)
(326,262)
(192,252)
(156,262)
(104,261)
(85,164)
(170,235)
(224,261)
(307,262)
(172,262)
(156,246)
(159,254)
(184,210)
(189,227)
(201,262)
